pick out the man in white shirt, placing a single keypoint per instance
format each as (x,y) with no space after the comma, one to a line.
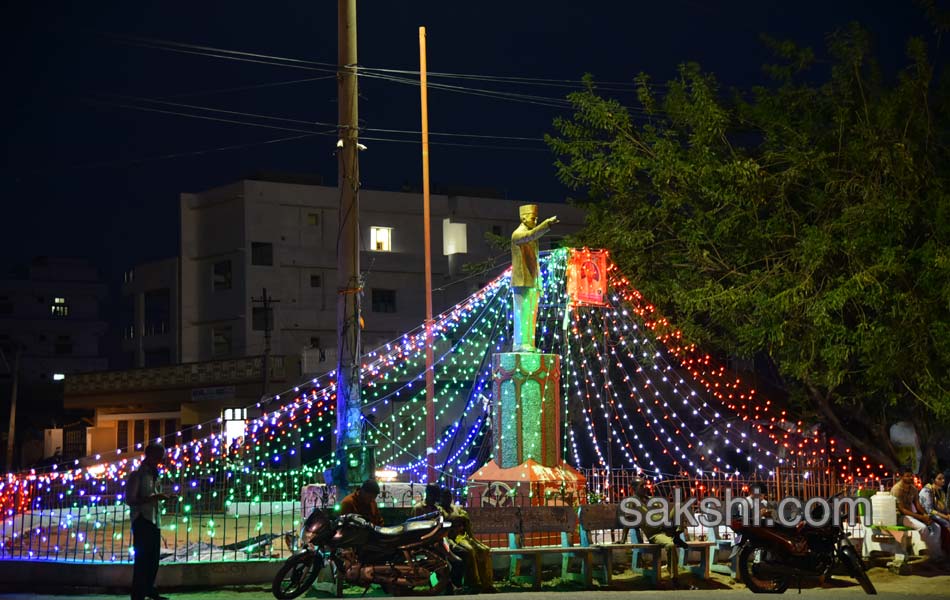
(144,495)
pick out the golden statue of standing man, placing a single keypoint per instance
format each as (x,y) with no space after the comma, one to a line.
(526,275)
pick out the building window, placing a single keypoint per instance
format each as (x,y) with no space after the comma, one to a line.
(59,308)
(221,341)
(171,427)
(262,319)
(234,423)
(313,219)
(64,345)
(122,434)
(262,254)
(138,433)
(222,275)
(381,239)
(315,342)
(154,430)
(316,281)
(384,301)
(454,237)
(158,311)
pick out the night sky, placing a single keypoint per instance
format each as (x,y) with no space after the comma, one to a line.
(84,177)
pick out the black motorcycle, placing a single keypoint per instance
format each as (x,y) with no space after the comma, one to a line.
(771,557)
(411,558)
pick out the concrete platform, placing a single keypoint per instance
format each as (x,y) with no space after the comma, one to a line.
(38,576)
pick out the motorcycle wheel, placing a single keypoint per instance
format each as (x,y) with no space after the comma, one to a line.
(434,564)
(295,577)
(759,586)
(849,556)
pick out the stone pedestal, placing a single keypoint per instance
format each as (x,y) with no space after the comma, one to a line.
(526,429)
(526,421)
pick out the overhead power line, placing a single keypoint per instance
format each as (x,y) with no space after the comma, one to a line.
(275,60)
(331,133)
(242,88)
(317,123)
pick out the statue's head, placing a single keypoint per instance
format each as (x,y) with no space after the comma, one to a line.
(528,214)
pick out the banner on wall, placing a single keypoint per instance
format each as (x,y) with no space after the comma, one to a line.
(587,277)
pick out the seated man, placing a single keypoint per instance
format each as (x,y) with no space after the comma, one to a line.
(459,556)
(431,502)
(658,530)
(912,515)
(363,502)
(478,567)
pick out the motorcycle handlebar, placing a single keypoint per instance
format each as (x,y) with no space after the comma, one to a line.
(426,517)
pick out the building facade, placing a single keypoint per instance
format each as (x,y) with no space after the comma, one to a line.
(50,331)
(281,235)
(150,315)
(50,311)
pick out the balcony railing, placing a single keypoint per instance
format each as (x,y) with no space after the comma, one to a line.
(218,372)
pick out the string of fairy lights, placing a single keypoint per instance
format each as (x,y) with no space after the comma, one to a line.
(634,397)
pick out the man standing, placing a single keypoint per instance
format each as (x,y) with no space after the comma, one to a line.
(144,495)
(363,502)
(526,275)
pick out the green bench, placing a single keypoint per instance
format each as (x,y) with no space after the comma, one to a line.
(606,517)
(520,525)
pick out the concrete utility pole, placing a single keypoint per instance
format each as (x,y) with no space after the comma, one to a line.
(350,468)
(15,372)
(265,367)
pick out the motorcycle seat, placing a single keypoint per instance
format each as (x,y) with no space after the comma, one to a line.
(411,527)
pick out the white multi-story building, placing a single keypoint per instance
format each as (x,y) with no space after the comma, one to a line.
(280,234)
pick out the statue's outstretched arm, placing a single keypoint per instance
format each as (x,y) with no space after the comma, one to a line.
(523,237)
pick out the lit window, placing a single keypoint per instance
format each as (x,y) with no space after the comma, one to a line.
(454,238)
(381,239)
(59,307)
(313,219)
(234,424)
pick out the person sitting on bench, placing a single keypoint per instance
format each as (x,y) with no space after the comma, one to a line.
(659,532)
(913,516)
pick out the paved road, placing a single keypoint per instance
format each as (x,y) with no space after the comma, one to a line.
(937,588)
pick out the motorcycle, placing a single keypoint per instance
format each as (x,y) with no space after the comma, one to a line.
(770,557)
(407,558)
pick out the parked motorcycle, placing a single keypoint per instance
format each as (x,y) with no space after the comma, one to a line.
(407,558)
(771,557)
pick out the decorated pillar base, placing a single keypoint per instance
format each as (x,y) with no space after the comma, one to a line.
(526,422)
(526,429)
(527,484)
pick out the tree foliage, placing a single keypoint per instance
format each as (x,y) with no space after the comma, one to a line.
(807,219)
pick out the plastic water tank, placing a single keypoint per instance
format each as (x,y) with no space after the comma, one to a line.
(883,509)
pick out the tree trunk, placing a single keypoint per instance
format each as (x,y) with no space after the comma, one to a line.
(878,450)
